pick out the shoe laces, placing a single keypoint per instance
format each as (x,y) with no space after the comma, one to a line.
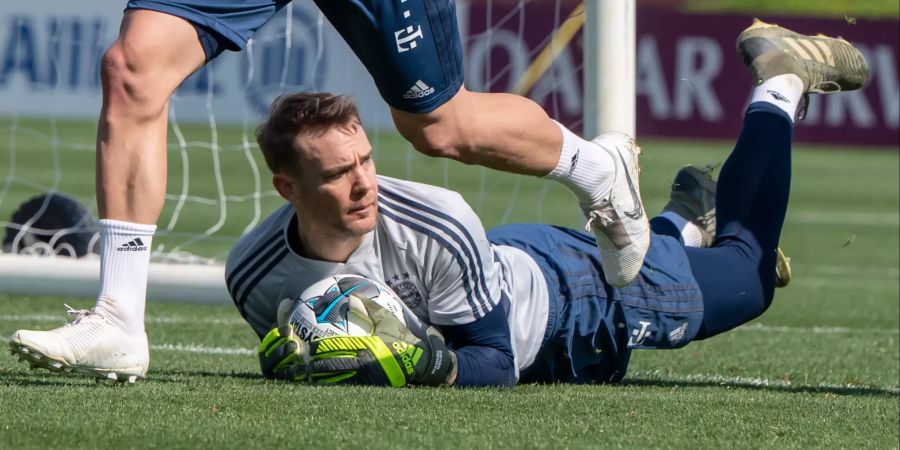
(78,313)
(804,107)
(601,216)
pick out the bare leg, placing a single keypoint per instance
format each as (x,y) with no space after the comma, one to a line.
(513,134)
(501,131)
(155,52)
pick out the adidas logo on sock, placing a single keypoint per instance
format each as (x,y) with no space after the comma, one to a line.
(136,245)
(419,90)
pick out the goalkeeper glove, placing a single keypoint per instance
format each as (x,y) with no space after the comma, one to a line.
(281,354)
(394,355)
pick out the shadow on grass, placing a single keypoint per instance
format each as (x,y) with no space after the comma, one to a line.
(856,391)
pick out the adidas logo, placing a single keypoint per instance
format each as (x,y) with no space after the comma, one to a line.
(136,245)
(409,354)
(418,90)
(676,335)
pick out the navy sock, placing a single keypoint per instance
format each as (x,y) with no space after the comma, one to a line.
(737,275)
(665,227)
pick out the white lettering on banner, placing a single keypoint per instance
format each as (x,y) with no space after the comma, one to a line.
(651,79)
(562,85)
(561,80)
(832,110)
(888,85)
(698,62)
(57,52)
(854,103)
(478,62)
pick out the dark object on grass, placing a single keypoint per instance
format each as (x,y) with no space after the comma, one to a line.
(54,219)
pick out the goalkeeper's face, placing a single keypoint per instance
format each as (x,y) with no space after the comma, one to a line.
(335,191)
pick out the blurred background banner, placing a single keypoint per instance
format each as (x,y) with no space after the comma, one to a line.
(50,53)
(690,83)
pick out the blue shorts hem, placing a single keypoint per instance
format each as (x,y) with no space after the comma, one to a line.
(236,41)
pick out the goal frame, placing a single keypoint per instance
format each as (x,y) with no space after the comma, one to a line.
(609,105)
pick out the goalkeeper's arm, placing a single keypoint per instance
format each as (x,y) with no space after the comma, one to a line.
(483,348)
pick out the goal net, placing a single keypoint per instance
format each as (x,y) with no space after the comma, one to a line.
(218,185)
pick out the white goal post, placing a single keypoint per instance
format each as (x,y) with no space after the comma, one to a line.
(79,278)
(609,104)
(609,66)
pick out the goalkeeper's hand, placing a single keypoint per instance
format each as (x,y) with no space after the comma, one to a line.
(394,355)
(281,354)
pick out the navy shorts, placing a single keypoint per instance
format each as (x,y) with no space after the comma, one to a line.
(411,48)
(592,327)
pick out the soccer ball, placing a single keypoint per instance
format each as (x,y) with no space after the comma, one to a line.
(335,307)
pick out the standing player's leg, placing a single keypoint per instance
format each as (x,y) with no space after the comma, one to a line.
(154,53)
(737,274)
(160,44)
(413,51)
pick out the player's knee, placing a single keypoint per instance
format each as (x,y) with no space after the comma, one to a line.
(126,89)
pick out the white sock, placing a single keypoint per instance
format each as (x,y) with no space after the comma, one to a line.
(691,234)
(583,167)
(783,91)
(124,267)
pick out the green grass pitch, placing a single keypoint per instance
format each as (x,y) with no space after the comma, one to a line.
(821,369)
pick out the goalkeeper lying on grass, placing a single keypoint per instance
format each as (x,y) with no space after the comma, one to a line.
(524,303)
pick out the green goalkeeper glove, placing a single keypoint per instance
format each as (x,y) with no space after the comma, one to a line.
(394,355)
(281,354)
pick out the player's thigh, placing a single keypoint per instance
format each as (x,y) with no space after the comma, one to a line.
(411,48)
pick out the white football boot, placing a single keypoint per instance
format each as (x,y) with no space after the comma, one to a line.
(89,345)
(618,221)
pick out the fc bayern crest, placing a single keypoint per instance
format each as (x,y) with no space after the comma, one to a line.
(406,290)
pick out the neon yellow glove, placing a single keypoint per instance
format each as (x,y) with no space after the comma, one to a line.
(394,355)
(281,354)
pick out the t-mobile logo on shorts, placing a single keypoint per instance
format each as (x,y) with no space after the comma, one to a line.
(406,38)
(639,334)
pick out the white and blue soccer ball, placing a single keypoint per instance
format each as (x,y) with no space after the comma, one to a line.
(335,306)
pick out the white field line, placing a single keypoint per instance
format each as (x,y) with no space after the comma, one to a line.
(701,378)
(830,270)
(866,285)
(237,322)
(61,319)
(844,218)
(758,327)
(193,348)
(868,278)
(746,381)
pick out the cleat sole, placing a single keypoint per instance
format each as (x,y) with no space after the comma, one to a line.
(36,360)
